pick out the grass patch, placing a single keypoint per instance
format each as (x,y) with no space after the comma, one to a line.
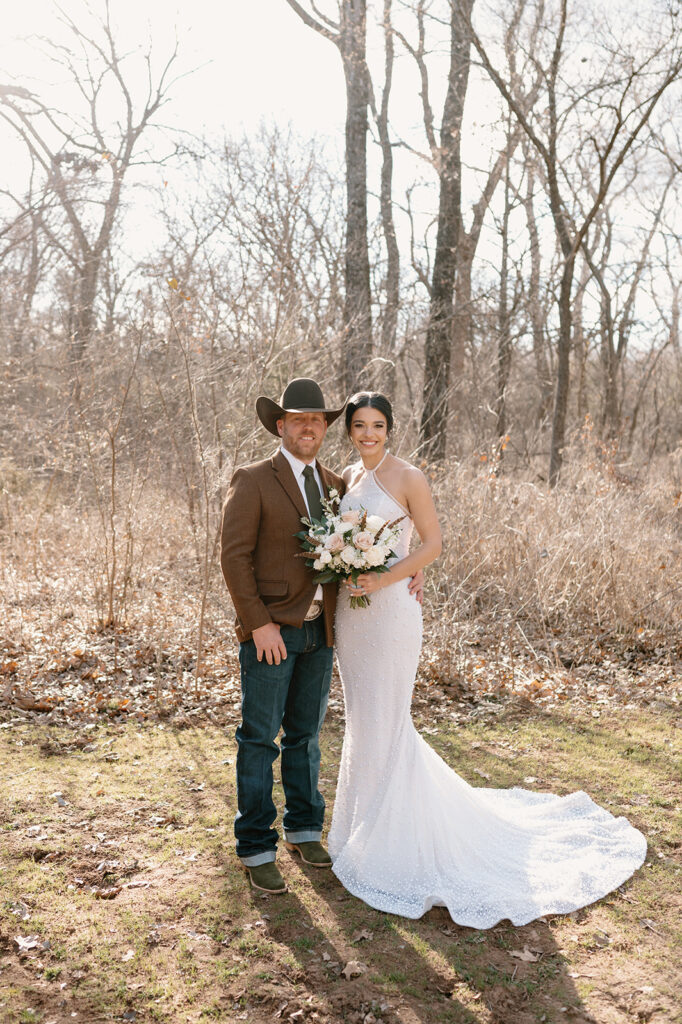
(183,939)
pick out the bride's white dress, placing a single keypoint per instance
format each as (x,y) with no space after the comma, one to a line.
(407,832)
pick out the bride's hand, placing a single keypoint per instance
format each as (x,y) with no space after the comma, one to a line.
(368,583)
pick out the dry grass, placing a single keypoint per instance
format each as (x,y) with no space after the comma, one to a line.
(563,575)
(556,577)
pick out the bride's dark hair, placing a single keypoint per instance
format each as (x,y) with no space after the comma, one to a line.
(373,400)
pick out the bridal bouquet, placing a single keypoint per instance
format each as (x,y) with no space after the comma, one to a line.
(341,545)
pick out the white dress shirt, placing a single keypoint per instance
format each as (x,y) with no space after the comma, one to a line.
(298,467)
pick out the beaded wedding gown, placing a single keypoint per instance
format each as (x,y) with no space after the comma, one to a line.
(407,832)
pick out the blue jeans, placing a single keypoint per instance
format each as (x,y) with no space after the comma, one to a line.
(292,696)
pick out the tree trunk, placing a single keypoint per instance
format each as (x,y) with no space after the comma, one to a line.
(563,373)
(438,335)
(462,324)
(504,345)
(357,306)
(386,376)
(542,371)
(84,321)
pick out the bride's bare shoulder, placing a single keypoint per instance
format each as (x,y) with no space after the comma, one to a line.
(406,469)
(410,481)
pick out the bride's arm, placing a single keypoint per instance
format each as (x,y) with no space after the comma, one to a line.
(425,519)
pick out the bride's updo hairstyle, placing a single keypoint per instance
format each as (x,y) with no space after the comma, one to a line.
(373,400)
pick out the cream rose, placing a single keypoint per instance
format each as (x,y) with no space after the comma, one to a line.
(363,540)
(335,543)
(325,557)
(374,523)
(352,516)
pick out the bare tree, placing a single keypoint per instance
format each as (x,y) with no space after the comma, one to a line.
(449,282)
(348,33)
(85,156)
(616,324)
(437,347)
(392,302)
(611,114)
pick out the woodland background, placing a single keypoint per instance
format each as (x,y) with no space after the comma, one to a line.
(496,243)
(505,262)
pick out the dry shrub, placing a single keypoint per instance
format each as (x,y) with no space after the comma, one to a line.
(597,559)
(552,577)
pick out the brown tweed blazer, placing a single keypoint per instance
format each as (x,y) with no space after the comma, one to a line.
(261,514)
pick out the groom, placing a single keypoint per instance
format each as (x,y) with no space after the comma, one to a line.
(285,625)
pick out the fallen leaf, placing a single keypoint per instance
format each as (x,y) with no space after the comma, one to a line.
(25,943)
(36,832)
(105,866)
(105,893)
(527,955)
(353,969)
(28,701)
(20,910)
(362,934)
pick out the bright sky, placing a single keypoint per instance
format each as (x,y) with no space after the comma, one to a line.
(255,58)
(255,61)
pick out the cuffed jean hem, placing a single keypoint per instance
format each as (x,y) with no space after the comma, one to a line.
(302,837)
(256,859)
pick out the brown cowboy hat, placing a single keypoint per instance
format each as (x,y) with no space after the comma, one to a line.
(300,395)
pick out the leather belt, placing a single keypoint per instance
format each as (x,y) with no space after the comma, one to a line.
(314,611)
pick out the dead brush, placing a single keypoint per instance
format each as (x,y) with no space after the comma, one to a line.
(531,569)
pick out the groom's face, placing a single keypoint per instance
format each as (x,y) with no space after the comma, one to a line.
(302,433)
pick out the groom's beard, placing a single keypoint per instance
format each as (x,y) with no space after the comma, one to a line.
(303,442)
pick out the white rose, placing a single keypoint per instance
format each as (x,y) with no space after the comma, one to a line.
(318,564)
(348,555)
(325,558)
(374,523)
(375,556)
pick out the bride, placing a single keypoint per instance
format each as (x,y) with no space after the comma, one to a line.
(407,832)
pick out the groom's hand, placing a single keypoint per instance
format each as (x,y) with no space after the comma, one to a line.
(416,585)
(268,641)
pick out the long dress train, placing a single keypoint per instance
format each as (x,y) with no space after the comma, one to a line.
(407,832)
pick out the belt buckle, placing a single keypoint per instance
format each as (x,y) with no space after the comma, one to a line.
(314,611)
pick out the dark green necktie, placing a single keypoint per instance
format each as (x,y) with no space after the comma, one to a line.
(312,493)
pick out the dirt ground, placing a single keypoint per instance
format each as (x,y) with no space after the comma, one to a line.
(122,899)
